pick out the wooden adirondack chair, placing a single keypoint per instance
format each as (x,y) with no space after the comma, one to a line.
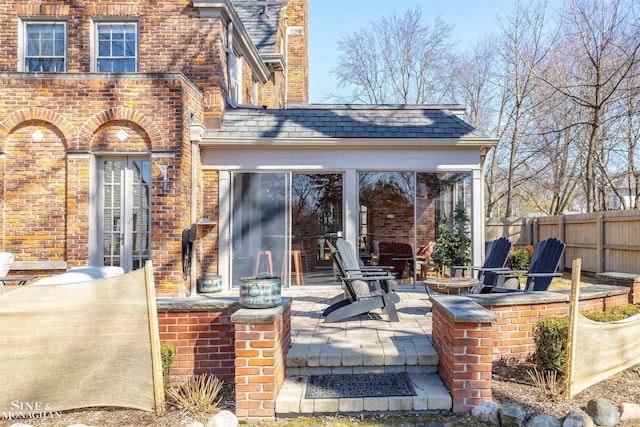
(363,293)
(497,253)
(353,267)
(542,269)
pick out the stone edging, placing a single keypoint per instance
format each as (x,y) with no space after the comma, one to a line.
(619,277)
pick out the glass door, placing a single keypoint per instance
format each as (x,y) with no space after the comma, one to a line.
(260,233)
(317,218)
(125,200)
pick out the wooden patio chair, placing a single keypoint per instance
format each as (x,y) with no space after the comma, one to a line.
(363,292)
(354,268)
(542,269)
(496,255)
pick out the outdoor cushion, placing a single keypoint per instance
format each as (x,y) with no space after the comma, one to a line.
(81,274)
(6,261)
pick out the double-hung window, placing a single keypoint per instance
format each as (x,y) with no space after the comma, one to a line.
(45,47)
(116,47)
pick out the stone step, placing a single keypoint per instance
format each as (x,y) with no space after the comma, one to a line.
(431,395)
(406,355)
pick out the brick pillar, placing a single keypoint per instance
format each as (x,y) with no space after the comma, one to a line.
(262,339)
(463,337)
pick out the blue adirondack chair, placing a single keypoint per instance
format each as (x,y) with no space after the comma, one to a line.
(542,269)
(497,253)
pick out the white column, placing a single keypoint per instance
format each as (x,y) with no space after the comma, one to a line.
(224,227)
(477,217)
(350,190)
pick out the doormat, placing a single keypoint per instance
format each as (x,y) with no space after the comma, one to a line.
(359,385)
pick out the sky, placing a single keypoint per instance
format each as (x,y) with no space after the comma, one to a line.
(330,19)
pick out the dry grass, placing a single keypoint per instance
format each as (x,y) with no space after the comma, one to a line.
(198,395)
(564,282)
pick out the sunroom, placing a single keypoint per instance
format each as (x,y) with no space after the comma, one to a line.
(382,177)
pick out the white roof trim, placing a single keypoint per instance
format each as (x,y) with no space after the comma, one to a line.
(351,142)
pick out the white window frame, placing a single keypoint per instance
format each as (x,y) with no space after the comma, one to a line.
(95,50)
(23,43)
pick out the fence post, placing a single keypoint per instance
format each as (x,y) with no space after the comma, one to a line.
(561,236)
(600,242)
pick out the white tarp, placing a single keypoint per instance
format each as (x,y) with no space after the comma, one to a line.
(603,349)
(78,345)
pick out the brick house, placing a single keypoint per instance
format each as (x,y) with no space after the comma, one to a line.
(125,123)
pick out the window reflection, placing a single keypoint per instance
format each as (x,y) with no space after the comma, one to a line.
(400,212)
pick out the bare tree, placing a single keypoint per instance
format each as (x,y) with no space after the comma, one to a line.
(473,83)
(522,50)
(398,59)
(601,51)
(556,164)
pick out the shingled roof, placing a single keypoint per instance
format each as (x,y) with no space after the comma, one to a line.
(347,121)
(262,28)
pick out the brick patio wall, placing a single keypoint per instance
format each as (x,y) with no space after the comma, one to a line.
(204,343)
(631,281)
(472,333)
(245,347)
(514,328)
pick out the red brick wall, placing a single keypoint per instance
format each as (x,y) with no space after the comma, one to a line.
(208,239)
(467,350)
(514,330)
(298,54)
(260,365)
(634,288)
(465,359)
(250,354)
(172,38)
(33,223)
(204,342)
(45,185)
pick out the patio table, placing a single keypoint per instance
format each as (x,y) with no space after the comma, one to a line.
(450,285)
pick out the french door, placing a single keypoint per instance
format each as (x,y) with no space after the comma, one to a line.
(125,210)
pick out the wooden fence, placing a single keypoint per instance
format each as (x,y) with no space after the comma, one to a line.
(605,241)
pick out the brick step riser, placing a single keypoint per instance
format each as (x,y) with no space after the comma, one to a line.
(337,370)
(366,362)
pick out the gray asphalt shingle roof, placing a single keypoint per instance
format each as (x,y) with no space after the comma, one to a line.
(345,121)
(261,31)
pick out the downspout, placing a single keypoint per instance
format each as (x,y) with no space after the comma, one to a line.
(196,131)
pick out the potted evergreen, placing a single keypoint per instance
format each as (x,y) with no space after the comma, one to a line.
(453,244)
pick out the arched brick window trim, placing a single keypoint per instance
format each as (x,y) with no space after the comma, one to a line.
(35,113)
(121,113)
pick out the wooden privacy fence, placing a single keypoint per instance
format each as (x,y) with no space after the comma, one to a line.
(605,241)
